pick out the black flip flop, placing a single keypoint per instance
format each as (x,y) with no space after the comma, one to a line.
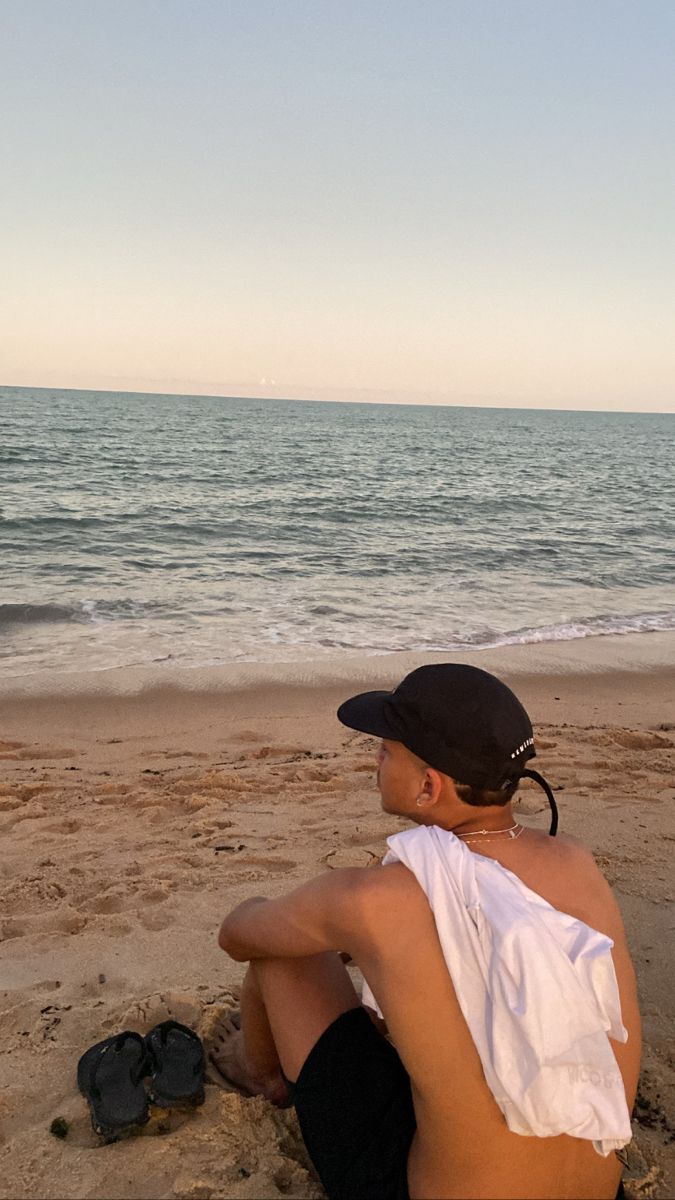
(178,1065)
(109,1075)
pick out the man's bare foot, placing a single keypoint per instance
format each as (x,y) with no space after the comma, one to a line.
(228,1057)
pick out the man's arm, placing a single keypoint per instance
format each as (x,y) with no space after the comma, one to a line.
(325,914)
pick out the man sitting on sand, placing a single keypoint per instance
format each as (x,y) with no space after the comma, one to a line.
(508,1057)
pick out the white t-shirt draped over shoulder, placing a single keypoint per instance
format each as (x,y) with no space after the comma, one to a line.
(537,989)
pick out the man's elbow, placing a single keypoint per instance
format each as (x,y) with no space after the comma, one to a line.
(223,936)
(228,942)
(228,938)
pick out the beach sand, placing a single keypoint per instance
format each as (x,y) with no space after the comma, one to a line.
(136,810)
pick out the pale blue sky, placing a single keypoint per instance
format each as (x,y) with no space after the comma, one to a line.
(445,201)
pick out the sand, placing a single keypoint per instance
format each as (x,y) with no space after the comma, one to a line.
(136,810)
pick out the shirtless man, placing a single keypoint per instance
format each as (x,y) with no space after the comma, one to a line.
(418,1120)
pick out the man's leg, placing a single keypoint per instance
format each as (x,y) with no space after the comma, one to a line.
(286,1005)
(353,1099)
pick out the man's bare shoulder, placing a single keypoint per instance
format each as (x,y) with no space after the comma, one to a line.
(395,913)
(573,857)
(387,888)
(578,860)
(573,846)
(564,871)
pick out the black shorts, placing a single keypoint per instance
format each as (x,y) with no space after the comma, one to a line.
(355,1111)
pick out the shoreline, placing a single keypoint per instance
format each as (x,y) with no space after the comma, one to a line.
(627,681)
(603,654)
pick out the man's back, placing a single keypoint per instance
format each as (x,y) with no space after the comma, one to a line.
(463,1147)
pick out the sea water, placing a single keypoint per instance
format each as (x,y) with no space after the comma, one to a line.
(194,530)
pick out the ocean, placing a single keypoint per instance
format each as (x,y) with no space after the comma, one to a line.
(138,529)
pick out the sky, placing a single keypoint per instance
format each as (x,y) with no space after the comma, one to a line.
(445,201)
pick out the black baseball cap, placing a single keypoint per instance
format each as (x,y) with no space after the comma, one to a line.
(459,719)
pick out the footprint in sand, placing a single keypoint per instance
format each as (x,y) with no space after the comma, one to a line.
(109,902)
(630,740)
(64,920)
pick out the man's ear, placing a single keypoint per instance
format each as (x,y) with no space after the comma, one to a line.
(432,786)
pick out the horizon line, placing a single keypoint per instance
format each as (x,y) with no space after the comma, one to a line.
(375,393)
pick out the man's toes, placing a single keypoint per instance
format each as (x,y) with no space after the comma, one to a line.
(224,1039)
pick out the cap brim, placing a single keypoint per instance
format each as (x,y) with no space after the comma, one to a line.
(367,713)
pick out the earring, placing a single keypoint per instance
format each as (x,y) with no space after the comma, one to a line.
(419,801)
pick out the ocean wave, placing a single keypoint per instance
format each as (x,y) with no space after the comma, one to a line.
(567,631)
(34,614)
(368,641)
(83,612)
